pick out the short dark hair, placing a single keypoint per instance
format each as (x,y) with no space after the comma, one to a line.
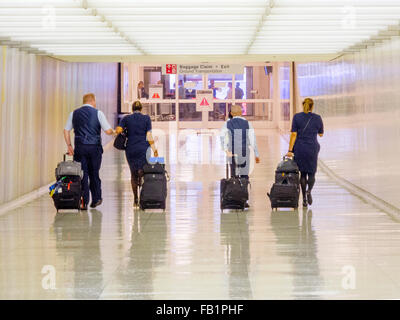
(137,106)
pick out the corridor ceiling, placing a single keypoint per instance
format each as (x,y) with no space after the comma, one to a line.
(193,27)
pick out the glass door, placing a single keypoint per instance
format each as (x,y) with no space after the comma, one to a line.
(221,84)
(188,84)
(258,90)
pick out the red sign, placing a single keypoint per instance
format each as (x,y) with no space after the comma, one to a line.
(156,96)
(204,103)
(170,68)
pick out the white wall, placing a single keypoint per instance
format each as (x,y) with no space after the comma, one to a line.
(358,96)
(37,94)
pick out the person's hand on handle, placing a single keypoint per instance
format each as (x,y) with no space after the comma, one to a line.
(118,130)
(290,154)
(156,153)
(229,154)
(70,150)
(257,159)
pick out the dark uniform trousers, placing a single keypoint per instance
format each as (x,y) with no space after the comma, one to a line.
(90,156)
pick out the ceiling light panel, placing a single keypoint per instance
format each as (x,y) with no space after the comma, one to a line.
(46,24)
(323,24)
(192,27)
(186,27)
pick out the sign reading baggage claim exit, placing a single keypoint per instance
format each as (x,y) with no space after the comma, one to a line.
(204,100)
(202,68)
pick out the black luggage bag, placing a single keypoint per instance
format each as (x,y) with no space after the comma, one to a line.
(285,191)
(234,192)
(67,193)
(153,193)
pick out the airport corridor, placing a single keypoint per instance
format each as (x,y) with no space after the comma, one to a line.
(339,248)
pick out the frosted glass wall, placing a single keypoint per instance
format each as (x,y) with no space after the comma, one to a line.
(37,95)
(358,96)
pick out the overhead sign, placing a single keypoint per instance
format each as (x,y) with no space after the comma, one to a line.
(197,68)
(156,91)
(204,100)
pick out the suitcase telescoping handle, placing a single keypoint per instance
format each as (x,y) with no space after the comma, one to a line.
(227,165)
(66,155)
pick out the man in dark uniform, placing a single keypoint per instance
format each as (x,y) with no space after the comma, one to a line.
(87,123)
(237,135)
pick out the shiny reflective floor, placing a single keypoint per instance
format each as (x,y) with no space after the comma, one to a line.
(341,248)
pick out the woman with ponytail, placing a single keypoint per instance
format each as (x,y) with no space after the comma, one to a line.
(139,146)
(304,146)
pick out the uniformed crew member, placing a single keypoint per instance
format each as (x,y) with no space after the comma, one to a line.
(87,123)
(237,135)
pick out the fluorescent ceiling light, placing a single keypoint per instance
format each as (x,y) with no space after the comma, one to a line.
(177,27)
(183,18)
(338,3)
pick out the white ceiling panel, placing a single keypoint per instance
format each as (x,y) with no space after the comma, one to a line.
(192,27)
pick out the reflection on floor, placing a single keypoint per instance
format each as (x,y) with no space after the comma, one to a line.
(341,248)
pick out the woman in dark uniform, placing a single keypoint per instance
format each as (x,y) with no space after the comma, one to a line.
(140,139)
(304,146)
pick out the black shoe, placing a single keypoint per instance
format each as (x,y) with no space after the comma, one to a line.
(83,207)
(309,197)
(136,202)
(95,204)
(246,205)
(305,205)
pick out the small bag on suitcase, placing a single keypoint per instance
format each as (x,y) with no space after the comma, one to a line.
(68,168)
(233,192)
(153,193)
(67,191)
(285,191)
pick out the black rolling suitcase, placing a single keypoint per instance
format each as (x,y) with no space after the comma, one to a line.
(153,193)
(234,192)
(286,189)
(67,191)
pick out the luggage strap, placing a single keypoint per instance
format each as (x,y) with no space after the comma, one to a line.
(311,116)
